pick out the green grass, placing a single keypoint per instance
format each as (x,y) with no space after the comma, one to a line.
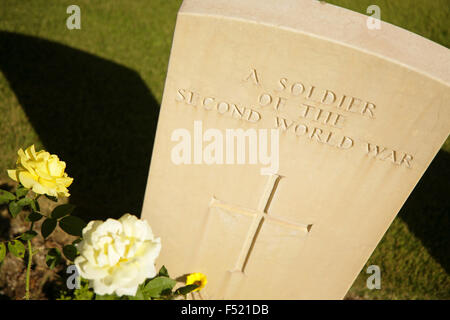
(64,93)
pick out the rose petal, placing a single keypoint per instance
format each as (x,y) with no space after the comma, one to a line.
(13,174)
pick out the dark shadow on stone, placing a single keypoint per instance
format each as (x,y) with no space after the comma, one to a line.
(98,116)
(427,210)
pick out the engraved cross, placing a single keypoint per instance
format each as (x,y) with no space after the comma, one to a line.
(259,216)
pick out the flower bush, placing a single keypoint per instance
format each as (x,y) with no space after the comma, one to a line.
(114,259)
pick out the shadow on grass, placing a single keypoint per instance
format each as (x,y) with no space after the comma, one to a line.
(427,210)
(98,116)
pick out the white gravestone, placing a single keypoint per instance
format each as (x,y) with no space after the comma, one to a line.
(338,123)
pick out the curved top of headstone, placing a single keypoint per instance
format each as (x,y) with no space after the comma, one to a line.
(332,23)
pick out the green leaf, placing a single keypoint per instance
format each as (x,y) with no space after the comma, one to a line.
(21,191)
(77,241)
(163,272)
(54,199)
(70,252)
(34,216)
(53,258)
(48,226)
(35,205)
(6,197)
(24,202)
(14,208)
(28,235)
(186,289)
(62,210)
(139,294)
(2,251)
(72,225)
(16,248)
(157,286)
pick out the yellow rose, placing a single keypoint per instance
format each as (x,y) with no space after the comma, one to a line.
(41,172)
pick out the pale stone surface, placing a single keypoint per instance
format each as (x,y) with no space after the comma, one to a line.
(333,199)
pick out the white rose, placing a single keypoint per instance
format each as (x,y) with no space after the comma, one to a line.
(116,256)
